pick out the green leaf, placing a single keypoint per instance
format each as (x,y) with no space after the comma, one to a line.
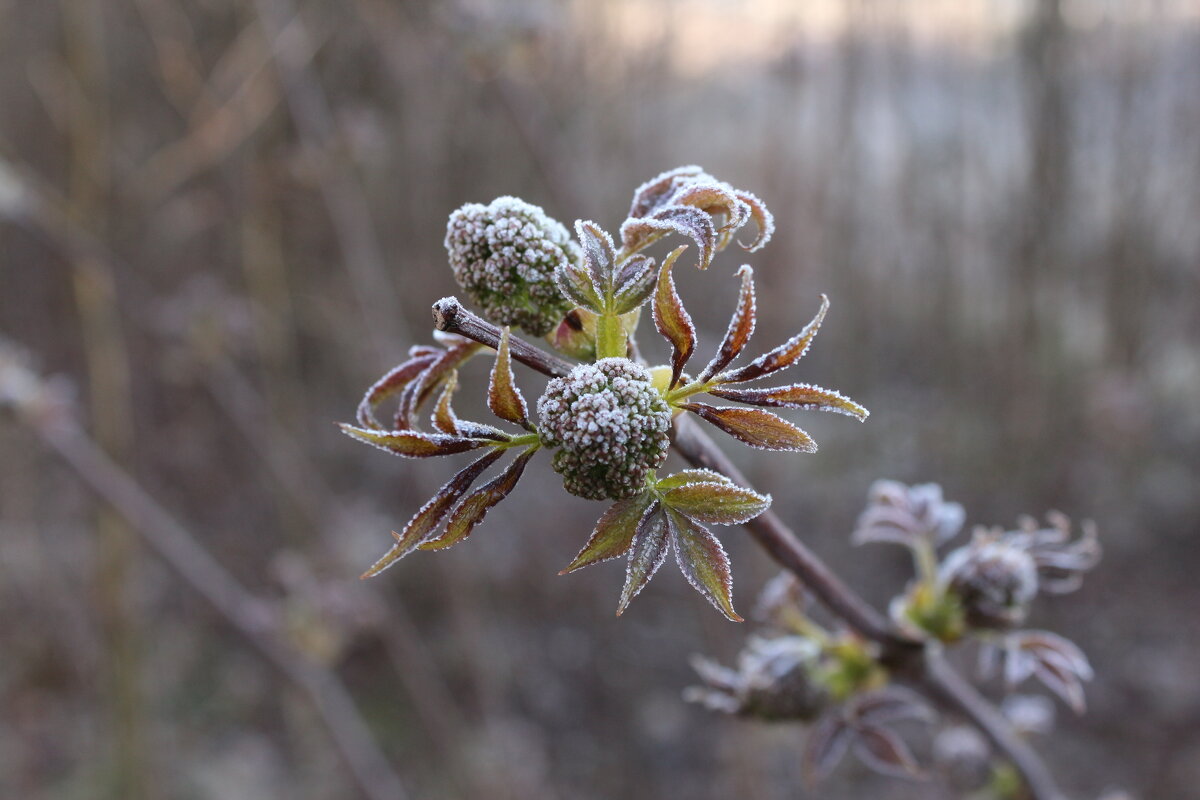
(504,398)
(649,551)
(672,319)
(687,476)
(797,395)
(741,326)
(634,283)
(413,444)
(755,427)
(426,520)
(613,534)
(474,508)
(575,282)
(599,257)
(783,356)
(716,503)
(703,562)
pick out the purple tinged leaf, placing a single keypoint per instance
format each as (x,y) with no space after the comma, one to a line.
(504,398)
(391,384)
(1062,682)
(420,390)
(884,751)
(430,515)
(413,444)
(716,503)
(741,326)
(614,532)
(826,746)
(892,704)
(684,477)
(755,427)
(693,223)
(634,283)
(658,190)
(798,395)
(599,255)
(703,562)
(715,674)
(672,319)
(650,545)
(475,506)
(762,218)
(444,419)
(577,285)
(781,357)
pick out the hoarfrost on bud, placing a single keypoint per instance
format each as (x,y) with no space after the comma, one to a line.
(773,681)
(610,424)
(504,255)
(993,579)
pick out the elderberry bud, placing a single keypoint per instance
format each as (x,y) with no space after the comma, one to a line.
(504,255)
(994,580)
(610,424)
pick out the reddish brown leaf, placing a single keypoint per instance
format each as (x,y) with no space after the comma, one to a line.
(672,319)
(504,398)
(426,520)
(797,395)
(703,562)
(755,427)
(421,389)
(762,218)
(716,503)
(650,546)
(475,506)
(741,326)
(444,419)
(658,190)
(391,384)
(614,532)
(783,356)
(413,444)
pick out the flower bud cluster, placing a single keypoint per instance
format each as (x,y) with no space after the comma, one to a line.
(611,425)
(504,255)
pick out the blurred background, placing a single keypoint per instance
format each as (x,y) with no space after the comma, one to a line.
(221,220)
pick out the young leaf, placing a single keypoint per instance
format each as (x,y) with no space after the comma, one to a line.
(826,746)
(797,395)
(889,705)
(885,752)
(684,477)
(657,191)
(426,520)
(444,419)
(504,398)
(716,503)
(691,222)
(783,356)
(672,319)
(576,284)
(634,283)
(741,326)
(703,562)
(420,390)
(650,545)
(599,256)
(757,428)
(762,219)
(474,508)
(614,532)
(390,384)
(413,444)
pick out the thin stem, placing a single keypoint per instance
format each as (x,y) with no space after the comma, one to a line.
(450,316)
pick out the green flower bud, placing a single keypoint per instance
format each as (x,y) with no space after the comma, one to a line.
(611,425)
(504,255)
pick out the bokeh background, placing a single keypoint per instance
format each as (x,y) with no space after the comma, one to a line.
(220,220)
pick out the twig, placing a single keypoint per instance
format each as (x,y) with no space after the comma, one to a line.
(914,661)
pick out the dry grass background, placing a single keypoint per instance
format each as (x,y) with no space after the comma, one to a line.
(222,219)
